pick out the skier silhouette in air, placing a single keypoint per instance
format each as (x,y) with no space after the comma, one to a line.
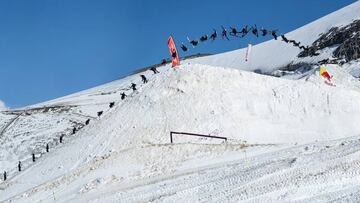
(273,33)
(133,86)
(264,32)
(123,95)
(297,44)
(284,39)
(233,32)
(255,31)
(153,69)
(183,47)
(203,38)
(143,79)
(194,43)
(213,35)
(244,31)
(224,33)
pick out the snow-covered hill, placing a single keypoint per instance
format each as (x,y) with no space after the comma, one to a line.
(287,139)
(274,54)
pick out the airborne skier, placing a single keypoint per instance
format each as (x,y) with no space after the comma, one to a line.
(213,35)
(153,69)
(123,95)
(133,86)
(144,79)
(224,33)
(163,61)
(255,31)
(284,39)
(244,31)
(233,32)
(203,38)
(183,47)
(194,43)
(264,32)
(297,44)
(273,33)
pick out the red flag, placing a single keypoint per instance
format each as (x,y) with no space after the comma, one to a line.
(173,52)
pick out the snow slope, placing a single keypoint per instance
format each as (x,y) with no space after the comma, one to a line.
(288,140)
(130,143)
(274,54)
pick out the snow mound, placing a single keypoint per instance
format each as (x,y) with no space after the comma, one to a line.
(132,139)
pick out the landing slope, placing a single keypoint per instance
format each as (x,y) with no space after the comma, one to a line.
(130,141)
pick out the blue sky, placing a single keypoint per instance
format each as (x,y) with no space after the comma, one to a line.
(51,48)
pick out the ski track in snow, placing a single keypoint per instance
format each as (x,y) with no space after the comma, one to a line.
(271,177)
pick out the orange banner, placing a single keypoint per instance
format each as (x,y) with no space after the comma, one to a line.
(173,52)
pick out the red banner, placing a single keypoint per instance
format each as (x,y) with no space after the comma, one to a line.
(173,52)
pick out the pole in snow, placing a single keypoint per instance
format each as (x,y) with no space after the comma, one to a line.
(248,52)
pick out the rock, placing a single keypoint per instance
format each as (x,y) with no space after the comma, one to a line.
(347,40)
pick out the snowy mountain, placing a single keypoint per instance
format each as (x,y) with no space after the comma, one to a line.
(276,54)
(289,138)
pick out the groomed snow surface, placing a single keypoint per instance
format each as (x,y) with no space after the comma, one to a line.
(278,147)
(288,140)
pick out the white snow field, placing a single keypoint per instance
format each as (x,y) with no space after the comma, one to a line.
(289,140)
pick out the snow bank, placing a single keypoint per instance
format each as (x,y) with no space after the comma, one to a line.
(132,139)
